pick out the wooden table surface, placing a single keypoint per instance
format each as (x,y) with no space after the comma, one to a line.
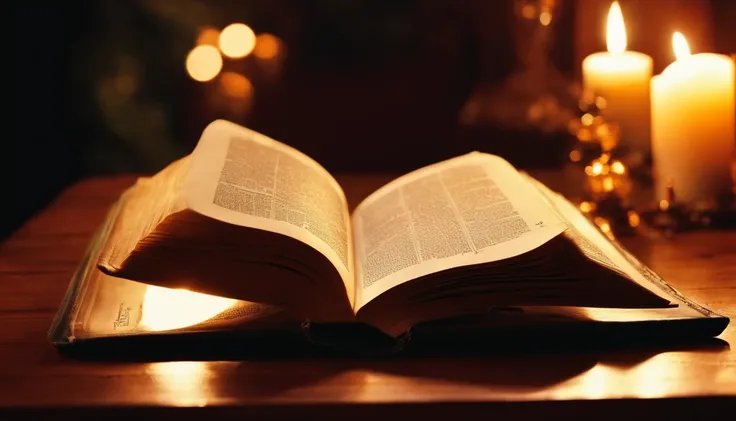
(37,262)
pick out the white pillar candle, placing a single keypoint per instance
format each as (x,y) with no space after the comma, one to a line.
(623,79)
(693,125)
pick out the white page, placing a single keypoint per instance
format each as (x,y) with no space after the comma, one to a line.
(468,210)
(594,244)
(242,177)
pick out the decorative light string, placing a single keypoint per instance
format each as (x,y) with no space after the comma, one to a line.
(609,181)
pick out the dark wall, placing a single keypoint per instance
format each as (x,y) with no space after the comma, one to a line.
(99,87)
(43,146)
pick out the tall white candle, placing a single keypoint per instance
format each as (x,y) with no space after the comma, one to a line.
(623,79)
(693,132)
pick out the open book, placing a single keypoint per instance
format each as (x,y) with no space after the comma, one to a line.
(256,232)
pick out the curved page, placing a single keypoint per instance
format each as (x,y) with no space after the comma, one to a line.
(242,177)
(468,210)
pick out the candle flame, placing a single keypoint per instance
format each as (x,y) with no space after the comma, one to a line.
(679,44)
(615,30)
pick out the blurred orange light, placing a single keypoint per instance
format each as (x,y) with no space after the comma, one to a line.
(125,84)
(208,36)
(235,85)
(545,18)
(587,207)
(203,63)
(237,40)
(587,119)
(634,219)
(618,167)
(608,184)
(267,46)
(575,156)
(597,168)
(604,226)
(528,11)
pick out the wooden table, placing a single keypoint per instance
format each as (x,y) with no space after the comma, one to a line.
(36,263)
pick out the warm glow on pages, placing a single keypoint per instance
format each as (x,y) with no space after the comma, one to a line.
(167,309)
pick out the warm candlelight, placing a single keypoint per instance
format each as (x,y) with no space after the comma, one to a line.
(237,40)
(606,177)
(203,63)
(693,125)
(622,77)
(270,52)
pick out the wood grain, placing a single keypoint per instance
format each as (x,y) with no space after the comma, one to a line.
(37,262)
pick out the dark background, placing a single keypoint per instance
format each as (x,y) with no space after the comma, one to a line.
(366,85)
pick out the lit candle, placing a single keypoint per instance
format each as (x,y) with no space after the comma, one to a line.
(622,78)
(693,125)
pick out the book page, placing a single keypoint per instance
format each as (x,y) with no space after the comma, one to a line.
(592,243)
(120,307)
(143,207)
(112,306)
(468,210)
(242,177)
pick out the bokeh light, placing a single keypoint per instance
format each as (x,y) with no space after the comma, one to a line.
(208,36)
(545,18)
(237,40)
(235,85)
(204,63)
(267,46)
